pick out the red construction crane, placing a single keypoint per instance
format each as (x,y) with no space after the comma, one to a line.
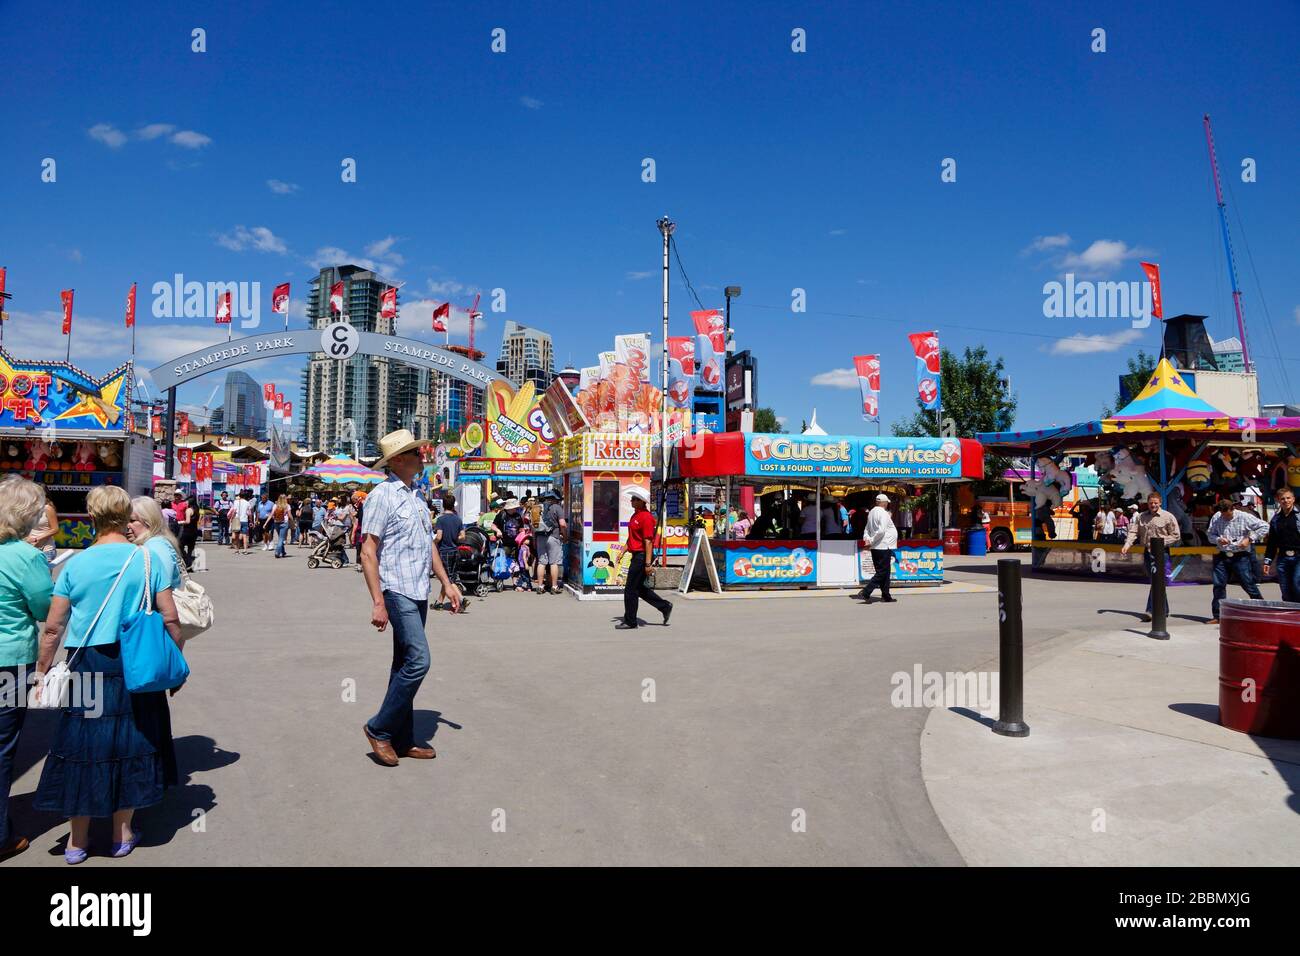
(473,314)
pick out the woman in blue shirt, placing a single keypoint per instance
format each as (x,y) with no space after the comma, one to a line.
(149,528)
(112,753)
(24,599)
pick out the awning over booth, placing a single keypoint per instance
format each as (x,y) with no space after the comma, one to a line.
(831,457)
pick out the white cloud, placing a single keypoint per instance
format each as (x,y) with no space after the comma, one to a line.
(415,319)
(447,288)
(76,256)
(531,102)
(837,232)
(383,249)
(280,187)
(1045,243)
(1080,344)
(782,419)
(154,130)
(190,139)
(100,345)
(385,265)
(109,135)
(259,238)
(836,378)
(640,275)
(1103,257)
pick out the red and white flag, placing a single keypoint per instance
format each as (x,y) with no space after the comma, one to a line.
(130,307)
(1153,276)
(224,309)
(440,316)
(713,323)
(926,347)
(288,413)
(66,296)
(183,458)
(388,304)
(868,370)
(336,297)
(280,299)
(268,393)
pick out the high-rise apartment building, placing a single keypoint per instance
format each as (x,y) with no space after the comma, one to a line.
(526,356)
(456,403)
(351,404)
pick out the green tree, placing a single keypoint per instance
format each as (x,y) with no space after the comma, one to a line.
(976,398)
(1135,379)
(765,421)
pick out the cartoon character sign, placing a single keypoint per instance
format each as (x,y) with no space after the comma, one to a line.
(600,564)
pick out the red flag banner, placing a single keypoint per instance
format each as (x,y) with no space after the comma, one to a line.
(440,316)
(225,309)
(183,458)
(155,425)
(1153,276)
(336,297)
(288,411)
(280,299)
(682,348)
(2,285)
(868,370)
(388,304)
(712,323)
(926,347)
(66,296)
(252,475)
(268,392)
(130,307)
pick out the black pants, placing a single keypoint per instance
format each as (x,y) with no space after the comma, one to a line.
(636,589)
(881,559)
(187,548)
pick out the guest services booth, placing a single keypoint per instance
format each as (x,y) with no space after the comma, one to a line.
(793,472)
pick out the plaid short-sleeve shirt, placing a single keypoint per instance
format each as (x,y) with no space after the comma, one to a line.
(399,518)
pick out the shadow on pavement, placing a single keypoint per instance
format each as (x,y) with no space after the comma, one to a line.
(1285,754)
(974,715)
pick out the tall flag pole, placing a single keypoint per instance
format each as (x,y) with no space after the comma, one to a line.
(66,296)
(130,319)
(280,302)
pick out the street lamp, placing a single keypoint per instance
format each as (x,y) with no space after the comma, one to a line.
(731,292)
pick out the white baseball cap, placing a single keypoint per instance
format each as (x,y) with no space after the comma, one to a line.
(883,497)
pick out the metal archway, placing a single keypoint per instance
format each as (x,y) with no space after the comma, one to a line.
(337,340)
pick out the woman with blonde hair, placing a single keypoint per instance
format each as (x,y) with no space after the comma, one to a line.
(112,752)
(25,588)
(148,527)
(280,521)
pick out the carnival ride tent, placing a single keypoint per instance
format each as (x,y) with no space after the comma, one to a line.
(343,470)
(1168,440)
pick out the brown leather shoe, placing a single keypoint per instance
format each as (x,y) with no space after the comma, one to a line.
(13,848)
(419,753)
(384,752)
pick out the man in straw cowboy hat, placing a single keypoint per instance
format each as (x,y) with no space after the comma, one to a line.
(397,554)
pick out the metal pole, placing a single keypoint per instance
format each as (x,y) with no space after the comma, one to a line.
(1011,648)
(169,459)
(1159,598)
(666,227)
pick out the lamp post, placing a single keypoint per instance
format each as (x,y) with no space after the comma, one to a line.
(731,292)
(666,228)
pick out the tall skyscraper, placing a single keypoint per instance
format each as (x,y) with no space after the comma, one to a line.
(376,395)
(242,409)
(526,356)
(456,403)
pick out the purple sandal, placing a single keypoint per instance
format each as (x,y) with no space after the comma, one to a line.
(124,849)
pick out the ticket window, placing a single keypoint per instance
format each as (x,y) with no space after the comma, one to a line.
(604,506)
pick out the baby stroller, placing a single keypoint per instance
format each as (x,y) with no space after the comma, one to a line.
(472,572)
(331,550)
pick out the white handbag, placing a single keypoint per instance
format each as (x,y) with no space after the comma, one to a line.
(193,606)
(56,684)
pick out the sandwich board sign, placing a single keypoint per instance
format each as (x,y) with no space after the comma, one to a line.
(699,561)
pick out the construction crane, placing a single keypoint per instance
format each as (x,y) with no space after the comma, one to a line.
(473,314)
(1227,245)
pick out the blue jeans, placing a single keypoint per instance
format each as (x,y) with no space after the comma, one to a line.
(1288,575)
(281,530)
(395,721)
(1243,563)
(12,713)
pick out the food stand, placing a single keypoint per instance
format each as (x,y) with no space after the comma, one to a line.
(513,451)
(596,473)
(826,464)
(1167,440)
(69,432)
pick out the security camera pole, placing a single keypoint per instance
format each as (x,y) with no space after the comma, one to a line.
(666,228)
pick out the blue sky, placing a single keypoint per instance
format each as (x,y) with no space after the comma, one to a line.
(522,171)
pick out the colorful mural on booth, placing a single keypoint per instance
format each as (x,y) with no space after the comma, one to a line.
(59,395)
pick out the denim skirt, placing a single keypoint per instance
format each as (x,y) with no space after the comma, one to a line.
(112,753)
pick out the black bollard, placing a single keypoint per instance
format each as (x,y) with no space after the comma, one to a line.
(1159,600)
(1011,644)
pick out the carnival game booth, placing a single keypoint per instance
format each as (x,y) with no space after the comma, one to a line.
(826,464)
(69,432)
(1166,440)
(596,472)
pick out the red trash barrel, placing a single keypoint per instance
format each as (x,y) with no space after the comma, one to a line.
(952,540)
(1259,668)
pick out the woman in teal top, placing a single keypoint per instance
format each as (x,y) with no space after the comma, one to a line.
(24,599)
(112,753)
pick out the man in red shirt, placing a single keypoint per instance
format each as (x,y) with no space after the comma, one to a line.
(640,541)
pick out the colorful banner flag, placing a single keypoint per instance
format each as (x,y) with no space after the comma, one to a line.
(203,473)
(868,369)
(336,297)
(130,307)
(388,303)
(713,323)
(280,299)
(225,309)
(607,362)
(708,364)
(926,347)
(1153,276)
(183,424)
(634,352)
(66,296)
(681,348)
(268,393)
(183,461)
(440,317)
